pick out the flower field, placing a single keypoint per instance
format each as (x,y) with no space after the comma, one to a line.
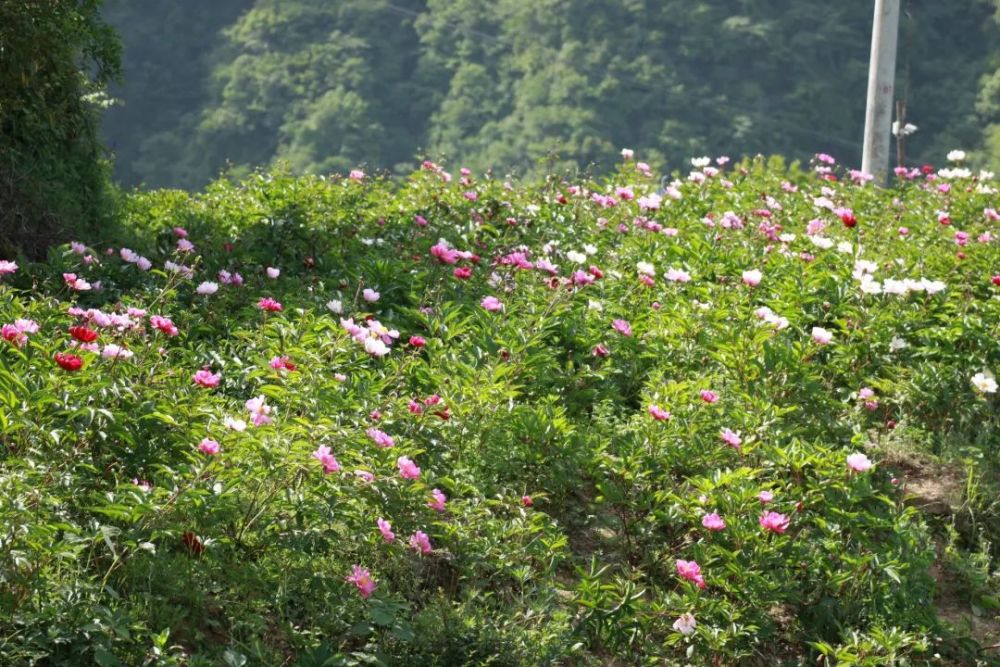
(463,421)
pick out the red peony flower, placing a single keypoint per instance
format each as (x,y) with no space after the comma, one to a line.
(69,362)
(83,334)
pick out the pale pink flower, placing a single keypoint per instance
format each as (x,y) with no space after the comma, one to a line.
(419,542)
(259,411)
(365,476)
(407,468)
(362,578)
(730,438)
(622,327)
(356,175)
(774,522)
(685,624)
(370,295)
(208,446)
(713,522)
(491,303)
(765,497)
(183,245)
(752,278)
(207,288)
(858,462)
(326,459)
(385,528)
(113,351)
(678,275)
(821,336)
(237,425)
(438,500)
(273,273)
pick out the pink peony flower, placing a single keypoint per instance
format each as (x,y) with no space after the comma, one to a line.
(774,522)
(765,497)
(207,288)
(858,462)
(407,468)
(380,438)
(420,543)
(206,378)
(821,336)
(164,324)
(438,501)
(658,413)
(208,446)
(418,341)
(685,624)
(7,267)
(259,411)
(370,295)
(731,438)
(326,459)
(272,272)
(385,528)
(362,578)
(491,303)
(709,396)
(267,304)
(622,327)
(713,522)
(527,501)
(690,570)
(752,278)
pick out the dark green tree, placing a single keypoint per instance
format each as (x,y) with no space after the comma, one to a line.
(56,59)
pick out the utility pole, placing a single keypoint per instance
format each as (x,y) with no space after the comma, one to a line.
(881,81)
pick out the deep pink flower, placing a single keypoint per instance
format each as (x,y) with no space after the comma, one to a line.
(269,305)
(208,446)
(362,578)
(418,341)
(329,463)
(713,522)
(658,413)
(164,324)
(774,522)
(206,378)
(709,396)
(527,501)
(690,570)
(420,542)
(600,351)
(281,363)
(463,272)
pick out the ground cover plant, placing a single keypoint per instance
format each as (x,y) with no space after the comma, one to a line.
(462,420)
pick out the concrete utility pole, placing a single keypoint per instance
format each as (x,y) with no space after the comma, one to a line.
(881,80)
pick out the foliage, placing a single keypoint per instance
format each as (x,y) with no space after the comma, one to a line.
(56,58)
(520,338)
(530,86)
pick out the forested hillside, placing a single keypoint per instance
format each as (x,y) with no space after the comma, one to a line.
(508,83)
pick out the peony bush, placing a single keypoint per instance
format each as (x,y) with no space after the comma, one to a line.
(462,420)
